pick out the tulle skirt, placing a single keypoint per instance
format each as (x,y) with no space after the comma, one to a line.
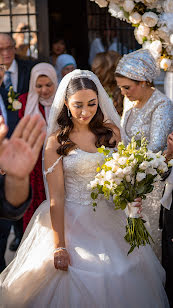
(101,274)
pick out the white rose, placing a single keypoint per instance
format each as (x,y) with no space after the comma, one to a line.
(122,160)
(156,49)
(17,105)
(140,176)
(144,165)
(135,18)
(138,36)
(150,19)
(101,3)
(128,5)
(116,12)
(168,6)
(163,33)
(165,64)
(10,100)
(171,38)
(143,30)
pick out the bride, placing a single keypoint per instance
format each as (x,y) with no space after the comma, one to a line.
(70,256)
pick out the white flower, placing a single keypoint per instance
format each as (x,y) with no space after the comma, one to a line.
(144,165)
(151,171)
(165,63)
(118,181)
(140,176)
(10,100)
(163,33)
(115,156)
(128,178)
(116,12)
(109,175)
(101,3)
(135,18)
(122,160)
(170,163)
(156,49)
(93,184)
(168,6)
(127,170)
(17,105)
(119,173)
(150,19)
(171,38)
(143,30)
(163,167)
(128,5)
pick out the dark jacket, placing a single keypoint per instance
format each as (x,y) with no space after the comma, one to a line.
(24,69)
(6,209)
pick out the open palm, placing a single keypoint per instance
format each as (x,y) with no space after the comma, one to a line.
(19,154)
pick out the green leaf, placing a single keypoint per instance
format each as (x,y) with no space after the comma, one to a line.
(94,195)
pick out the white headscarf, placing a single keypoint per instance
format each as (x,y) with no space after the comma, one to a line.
(33,99)
(63,61)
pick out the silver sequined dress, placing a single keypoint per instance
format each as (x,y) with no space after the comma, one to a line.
(155,121)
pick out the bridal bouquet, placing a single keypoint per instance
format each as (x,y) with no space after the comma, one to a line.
(126,175)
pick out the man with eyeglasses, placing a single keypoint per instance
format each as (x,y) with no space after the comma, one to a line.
(17,74)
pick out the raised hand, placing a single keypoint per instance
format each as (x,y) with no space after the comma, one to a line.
(19,154)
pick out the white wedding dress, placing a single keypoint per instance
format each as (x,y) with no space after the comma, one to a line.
(101,274)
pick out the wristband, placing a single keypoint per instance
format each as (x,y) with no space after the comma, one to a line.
(59,248)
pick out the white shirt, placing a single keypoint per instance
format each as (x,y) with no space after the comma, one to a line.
(14,74)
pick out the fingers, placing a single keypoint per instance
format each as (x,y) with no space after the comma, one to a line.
(20,127)
(3,129)
(35,133)
(38,143)
(29,128)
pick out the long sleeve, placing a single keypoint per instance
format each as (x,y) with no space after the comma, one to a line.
(161,126)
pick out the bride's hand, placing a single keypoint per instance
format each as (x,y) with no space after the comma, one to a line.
(138,204)
(61,259)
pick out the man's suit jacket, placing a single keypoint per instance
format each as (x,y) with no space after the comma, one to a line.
(24,70)
(6,209)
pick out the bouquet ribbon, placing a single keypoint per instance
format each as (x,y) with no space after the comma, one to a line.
(131,210)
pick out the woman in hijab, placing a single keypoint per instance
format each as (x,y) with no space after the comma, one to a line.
(38,100)
(64,64)
(146,112)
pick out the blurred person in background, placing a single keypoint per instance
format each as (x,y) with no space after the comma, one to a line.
(42,88)
(58,48)
(104,65)
(64,64)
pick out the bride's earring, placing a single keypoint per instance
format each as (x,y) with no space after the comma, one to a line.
(68,112)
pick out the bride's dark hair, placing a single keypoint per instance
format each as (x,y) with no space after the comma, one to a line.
(97,126)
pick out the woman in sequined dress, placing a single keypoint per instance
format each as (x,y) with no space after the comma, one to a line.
(146,111)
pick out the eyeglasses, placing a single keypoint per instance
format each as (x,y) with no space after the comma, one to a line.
(2,67)
(8,49)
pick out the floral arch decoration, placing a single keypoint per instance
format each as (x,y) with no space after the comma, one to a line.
(153,23)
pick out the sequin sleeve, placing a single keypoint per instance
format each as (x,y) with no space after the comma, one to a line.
(161,126)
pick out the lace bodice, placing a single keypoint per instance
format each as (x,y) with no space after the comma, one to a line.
(79,169)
